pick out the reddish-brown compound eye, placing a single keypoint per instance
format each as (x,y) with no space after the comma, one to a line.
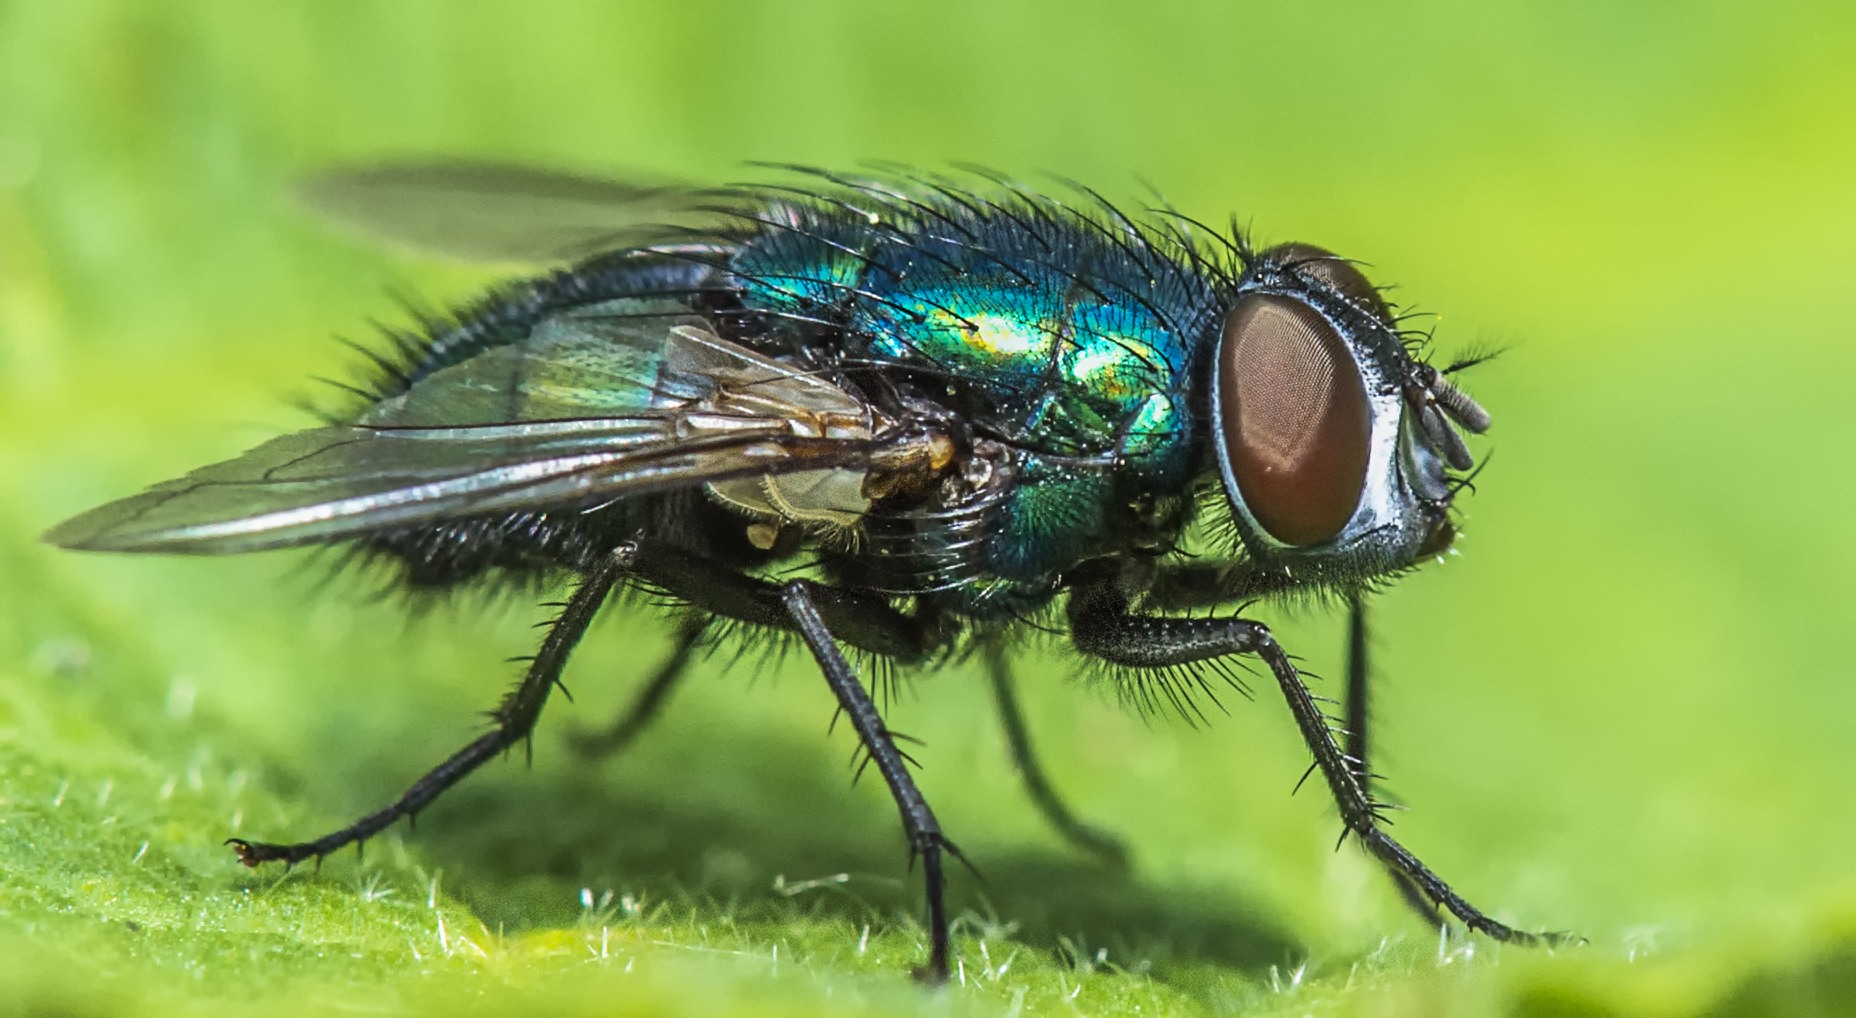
(1332,271)
(1297,426)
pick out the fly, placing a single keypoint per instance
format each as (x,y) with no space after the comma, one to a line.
(901,414)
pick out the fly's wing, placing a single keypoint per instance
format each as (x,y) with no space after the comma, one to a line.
(597,404)
(493,212)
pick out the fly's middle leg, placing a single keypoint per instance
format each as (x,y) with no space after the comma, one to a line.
(1359,745)
(1097,842)
(714,588)
(649,703)
(823,616)
(918,820)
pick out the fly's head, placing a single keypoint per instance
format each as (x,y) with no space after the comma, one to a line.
(1334,442)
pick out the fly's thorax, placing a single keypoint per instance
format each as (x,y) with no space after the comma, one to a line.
(1330,438)
(1070,344)
(928,535)
(1054,374)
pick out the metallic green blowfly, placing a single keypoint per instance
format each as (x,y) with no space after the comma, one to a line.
(905,414)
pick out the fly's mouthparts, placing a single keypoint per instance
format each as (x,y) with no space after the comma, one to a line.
(1439,540)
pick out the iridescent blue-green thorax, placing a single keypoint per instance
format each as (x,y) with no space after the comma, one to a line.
(1073,343)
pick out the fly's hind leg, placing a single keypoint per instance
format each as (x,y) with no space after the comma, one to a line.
(1102,626)
(1097,842)
(1359,719)
(649,703)
(515,719)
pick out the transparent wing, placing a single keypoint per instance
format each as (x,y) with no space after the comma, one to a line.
(494,212)
(598,404)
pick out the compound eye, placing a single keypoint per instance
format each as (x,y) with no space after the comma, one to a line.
(1330,270)
(1297,425)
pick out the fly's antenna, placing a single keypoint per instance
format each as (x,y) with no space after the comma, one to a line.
(1462,409)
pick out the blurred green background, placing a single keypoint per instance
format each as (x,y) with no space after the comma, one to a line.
(1622,710)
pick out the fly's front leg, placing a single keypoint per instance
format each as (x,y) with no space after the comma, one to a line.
(1359,720)
(924,832)
(515,719)
(1102,626)
(1358,706)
